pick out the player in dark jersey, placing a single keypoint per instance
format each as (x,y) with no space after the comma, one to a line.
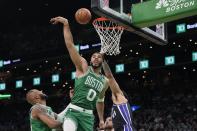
(121,110)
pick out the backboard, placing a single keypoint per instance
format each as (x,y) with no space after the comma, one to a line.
(120,11)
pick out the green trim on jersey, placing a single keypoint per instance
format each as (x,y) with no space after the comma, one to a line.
(37,125)
(87,89)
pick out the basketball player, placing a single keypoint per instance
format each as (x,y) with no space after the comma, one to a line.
(42,118)
(89,90)
(121,110)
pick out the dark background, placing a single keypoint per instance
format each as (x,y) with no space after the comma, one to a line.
(163,92)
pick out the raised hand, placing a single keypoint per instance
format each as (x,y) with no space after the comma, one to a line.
(59,19)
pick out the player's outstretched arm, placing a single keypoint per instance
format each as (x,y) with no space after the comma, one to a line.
(111,80)
(79,62)
(40,114)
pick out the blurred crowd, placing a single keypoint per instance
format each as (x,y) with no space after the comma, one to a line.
(169,112)
(14,117)
(176,112)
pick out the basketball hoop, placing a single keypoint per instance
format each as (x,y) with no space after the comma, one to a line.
(110,34)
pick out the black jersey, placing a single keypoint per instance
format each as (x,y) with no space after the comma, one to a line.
(122,117)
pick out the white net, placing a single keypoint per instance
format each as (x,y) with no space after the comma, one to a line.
(110,34)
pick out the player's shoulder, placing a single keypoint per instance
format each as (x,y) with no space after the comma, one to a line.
(106,82)
(38,108)
(35,109)
(104,77)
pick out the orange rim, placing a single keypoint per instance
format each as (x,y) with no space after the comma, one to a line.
(118,27)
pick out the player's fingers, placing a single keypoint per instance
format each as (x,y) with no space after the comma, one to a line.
(52,20)
(55,23)
(61,19)
(101,127)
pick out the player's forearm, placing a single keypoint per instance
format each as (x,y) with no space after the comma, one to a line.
(107,70)
(75,57)
(114,87)
(51,122)
(68,37)
(55,124)
(112,82)
(100,110)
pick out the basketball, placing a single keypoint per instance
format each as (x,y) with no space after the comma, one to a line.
(83,16)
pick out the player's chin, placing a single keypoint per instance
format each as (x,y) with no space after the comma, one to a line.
(96,66)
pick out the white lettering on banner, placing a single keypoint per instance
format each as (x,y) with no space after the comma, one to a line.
(173,5)
(7,62)
(94,45)
(84,47)
(192,26)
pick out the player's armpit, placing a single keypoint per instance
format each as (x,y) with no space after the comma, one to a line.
(84,68)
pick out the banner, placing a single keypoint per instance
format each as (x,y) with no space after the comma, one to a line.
(160,11)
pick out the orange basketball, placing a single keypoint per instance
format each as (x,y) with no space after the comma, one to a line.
(83,16)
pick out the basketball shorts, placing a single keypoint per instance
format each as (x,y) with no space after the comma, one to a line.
(82,120)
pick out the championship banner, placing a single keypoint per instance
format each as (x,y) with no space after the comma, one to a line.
(154,12)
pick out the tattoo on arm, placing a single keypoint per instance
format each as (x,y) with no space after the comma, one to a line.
(107,70)
(112,82)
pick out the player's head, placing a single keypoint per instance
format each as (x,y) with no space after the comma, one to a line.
(96,60)
(108,124)
(35,96)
